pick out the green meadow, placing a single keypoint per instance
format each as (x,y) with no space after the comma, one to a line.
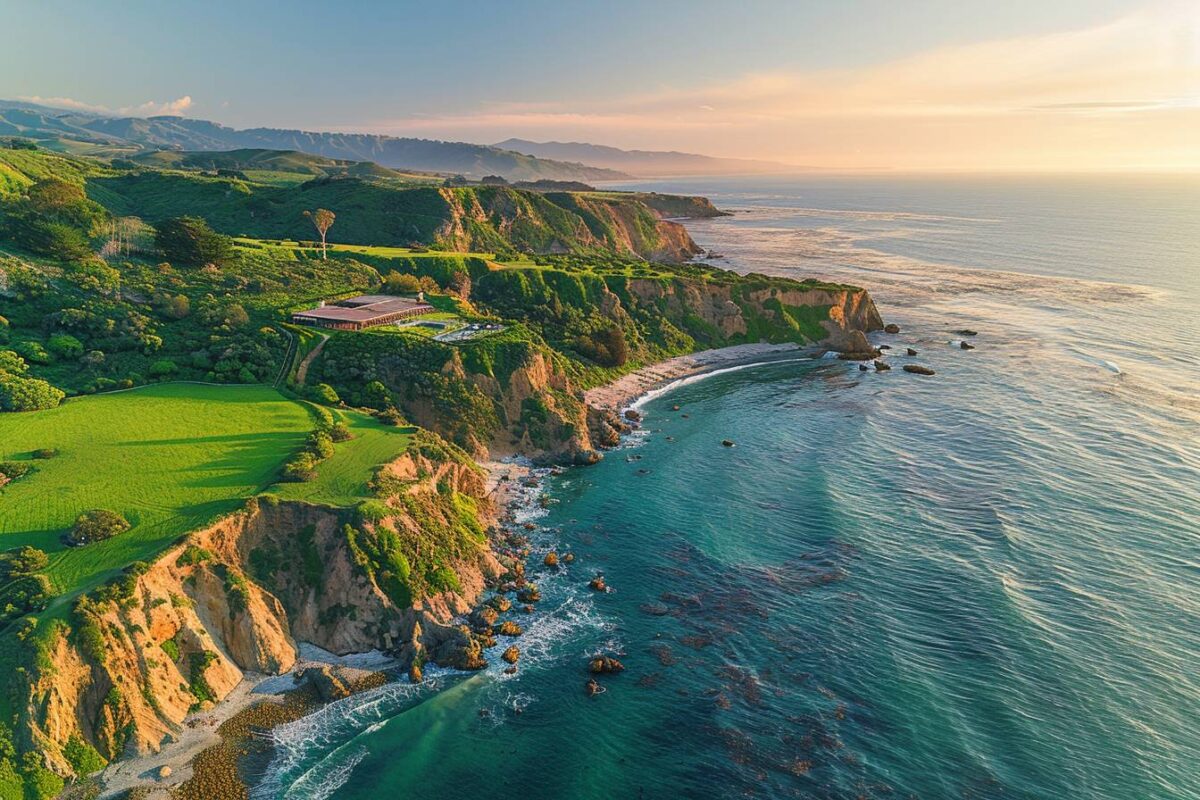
(342,478)
(169,457)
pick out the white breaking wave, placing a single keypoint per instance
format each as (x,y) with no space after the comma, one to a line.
(690,379)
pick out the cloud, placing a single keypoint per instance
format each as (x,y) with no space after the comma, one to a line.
(1126,91)
(151,108)
(64,102)
(148,109)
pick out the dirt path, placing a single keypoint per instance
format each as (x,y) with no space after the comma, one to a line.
(302,370)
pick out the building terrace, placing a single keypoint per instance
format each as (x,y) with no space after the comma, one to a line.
(363,311)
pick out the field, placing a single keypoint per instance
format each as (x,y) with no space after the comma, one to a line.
(170,457)
(342,478)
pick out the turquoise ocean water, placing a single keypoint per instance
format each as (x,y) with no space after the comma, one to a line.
(984,584)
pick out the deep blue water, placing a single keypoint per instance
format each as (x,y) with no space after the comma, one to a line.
(982,584)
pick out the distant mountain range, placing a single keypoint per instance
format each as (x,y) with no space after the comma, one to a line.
(645,163)
(130,135)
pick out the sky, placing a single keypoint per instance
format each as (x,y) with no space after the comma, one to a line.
(1055,85)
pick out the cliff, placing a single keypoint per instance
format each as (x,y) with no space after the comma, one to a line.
(178,634)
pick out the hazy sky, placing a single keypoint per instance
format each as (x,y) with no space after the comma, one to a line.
(920,84)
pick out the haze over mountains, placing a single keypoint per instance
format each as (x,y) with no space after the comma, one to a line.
(645,163)
(129,135)
(515,159)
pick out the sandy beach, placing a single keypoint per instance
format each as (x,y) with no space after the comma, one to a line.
(199,730)
(623,391)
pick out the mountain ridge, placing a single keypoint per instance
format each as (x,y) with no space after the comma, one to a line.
(646,163)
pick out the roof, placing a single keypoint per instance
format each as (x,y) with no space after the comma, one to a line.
(365,308)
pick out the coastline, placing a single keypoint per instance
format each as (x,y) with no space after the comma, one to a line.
(627,389)
(514,487)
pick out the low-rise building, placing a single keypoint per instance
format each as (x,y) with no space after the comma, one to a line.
(363,311)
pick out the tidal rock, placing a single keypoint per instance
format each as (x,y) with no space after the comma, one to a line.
(568,558)
(328,685)
(965,346)
(885,347)
(675,408)
(509,628)
(551,559)
(967,332)
(862,367)
(727,442)
(592,687)
(597,583)
(458,649)
(882,366)
(414,673)
(511,654)
(510,670)
(632,415)
(530,594)
(859,355)
(500,603)
(527,609)
(482,619)
(912,352)
(605,665)
(917,369)
(891,328)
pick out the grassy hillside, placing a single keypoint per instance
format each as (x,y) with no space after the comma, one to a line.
(342,478)
(169,458)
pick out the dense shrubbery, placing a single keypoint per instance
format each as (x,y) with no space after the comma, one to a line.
(191,242)
(22,589)
(54,219)
(18,392)
(96,525)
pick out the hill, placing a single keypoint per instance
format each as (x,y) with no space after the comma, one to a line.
(176,133)
(645,163)
(256,163)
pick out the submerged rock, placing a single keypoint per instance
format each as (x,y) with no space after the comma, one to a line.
(592,687)
(917,369)
(862,367)
(967,332)
(568,558)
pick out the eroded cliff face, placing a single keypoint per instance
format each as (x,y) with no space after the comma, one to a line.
(480,218)
(237,597)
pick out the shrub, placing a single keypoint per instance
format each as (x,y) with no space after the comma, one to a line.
(27,394)
(97,525)
(340,432)
(162,368)
(372,511)
(83,758)
(324,393)
(45,452)
(14,469)
(320,444)
(193,555)
(171,649)
(33,352)
(65,346)
(191,242)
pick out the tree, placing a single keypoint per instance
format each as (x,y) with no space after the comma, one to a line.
(191,242)
(399,283)
(97,525)
(65,346)
(322,220)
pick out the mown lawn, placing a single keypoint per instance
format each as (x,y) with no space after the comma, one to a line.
(342,478)
(170,457)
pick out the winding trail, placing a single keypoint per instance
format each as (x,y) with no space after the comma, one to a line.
(302,370)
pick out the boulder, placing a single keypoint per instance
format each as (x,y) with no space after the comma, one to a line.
(727,442)
(457,648)
(891,328)
(483,618)
(632,415)
(163,772)
(592,687)
(529,594)
(568,558)
(912,352)
(675,408)
(328,685)
(414,673)
(511,654)
(500,603)
(597,584)
(965,346)
(862,367)
(551,559)
(882,366)
(917,369)
(967,332)
(509,628)
(604,665)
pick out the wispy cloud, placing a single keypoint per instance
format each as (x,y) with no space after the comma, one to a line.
(1116,90)
(147,109)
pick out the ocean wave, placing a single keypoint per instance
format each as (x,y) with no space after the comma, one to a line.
(654,394)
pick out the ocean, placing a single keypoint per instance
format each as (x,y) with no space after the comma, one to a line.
(980,584)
